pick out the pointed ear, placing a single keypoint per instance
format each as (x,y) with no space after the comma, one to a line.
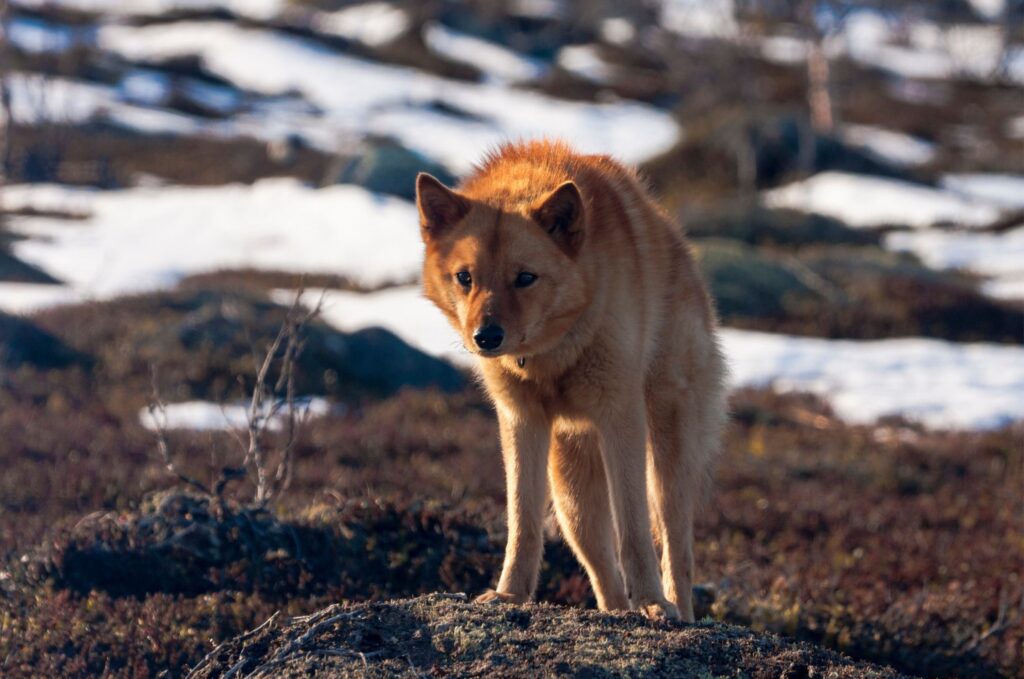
(440,207)
(560,213)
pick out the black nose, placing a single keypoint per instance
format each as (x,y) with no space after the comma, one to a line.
(489,337)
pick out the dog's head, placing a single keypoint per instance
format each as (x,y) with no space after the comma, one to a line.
(508,281)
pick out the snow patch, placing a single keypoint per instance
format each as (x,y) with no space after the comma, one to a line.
(896,147)
(1015,128)
(27,298)
(586,62)
(209,416)
(618,30)
(372,23)
(75,200)
(998,256)
(917,49)
(941,384)
(37,99)
(783,49)
(495,60)
(41,37)
(700,18)
(865,31)
(1008,288)
(145,239)
(253,9)
(360,97)
(866,201)
(1004,190)
(989,9)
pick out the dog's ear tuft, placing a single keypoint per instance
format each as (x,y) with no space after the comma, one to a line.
(560,213)
(440,207)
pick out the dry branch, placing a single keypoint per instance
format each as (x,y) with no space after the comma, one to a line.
(266,406)
(158,414)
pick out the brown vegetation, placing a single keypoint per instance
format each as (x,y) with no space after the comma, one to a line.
(107,156)
(817,530)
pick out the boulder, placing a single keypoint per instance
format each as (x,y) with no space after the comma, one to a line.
(24,343)
(389,167)
(749,284)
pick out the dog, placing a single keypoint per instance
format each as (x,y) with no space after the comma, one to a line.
(596,341)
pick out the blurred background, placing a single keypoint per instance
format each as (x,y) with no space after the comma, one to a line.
(174,171)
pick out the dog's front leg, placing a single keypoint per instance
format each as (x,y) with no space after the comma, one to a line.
(623,447)
(524,443)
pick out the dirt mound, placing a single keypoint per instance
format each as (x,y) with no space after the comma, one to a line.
(445,635)
(183,543)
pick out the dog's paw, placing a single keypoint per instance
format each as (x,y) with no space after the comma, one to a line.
(493,597)
(660,610)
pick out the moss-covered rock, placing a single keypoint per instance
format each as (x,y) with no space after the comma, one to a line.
(749,284)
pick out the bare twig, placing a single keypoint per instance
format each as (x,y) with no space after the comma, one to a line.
(298,644)
(1002,622)
(258,419)
(296,343)
(158,415)
(261,416)
(247,635)
(265,409)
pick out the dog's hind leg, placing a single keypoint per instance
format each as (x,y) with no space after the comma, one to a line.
(580,491)
(676,481)
(623,437)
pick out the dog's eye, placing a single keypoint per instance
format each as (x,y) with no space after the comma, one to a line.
(525,279)
(464,279)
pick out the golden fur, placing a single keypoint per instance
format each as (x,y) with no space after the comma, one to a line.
(608,382)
